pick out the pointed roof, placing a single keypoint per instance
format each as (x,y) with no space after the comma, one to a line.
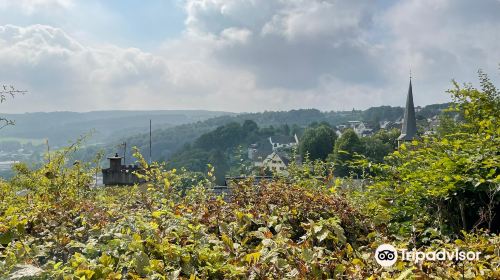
(282,156)
(409,129)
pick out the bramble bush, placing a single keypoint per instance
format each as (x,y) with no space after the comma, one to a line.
(277,230)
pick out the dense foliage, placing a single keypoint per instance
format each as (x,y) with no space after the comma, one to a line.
(450,181)
(225,147)
(308,225)
(302,228)
(318,142)
(346,148)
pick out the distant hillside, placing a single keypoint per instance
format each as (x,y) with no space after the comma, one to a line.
(166,142)
(62,127)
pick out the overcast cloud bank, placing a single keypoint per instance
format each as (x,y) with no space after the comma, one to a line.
(253,55)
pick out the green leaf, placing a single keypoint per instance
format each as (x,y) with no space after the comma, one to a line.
(307,254)
(6,237)
(405,274)
(141,262)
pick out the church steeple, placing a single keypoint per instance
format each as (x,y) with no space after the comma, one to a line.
(409,129)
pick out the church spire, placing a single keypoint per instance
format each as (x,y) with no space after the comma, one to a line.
(409,129)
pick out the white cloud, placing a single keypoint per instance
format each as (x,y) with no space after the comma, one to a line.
(62,73)
(293,43)
(213,16)
(444,40)
(250,55)
(31,6)
(324,20)
(237,35)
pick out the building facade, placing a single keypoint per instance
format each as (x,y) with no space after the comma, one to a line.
(119,174)
(275,162)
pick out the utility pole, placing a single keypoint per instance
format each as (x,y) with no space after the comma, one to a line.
(124,153)
(150,141)
(48,148)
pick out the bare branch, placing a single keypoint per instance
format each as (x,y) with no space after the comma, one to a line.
(9,90)
(5,122)
(4,92)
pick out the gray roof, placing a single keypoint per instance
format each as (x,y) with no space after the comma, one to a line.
(262,150)
(284,157)
(283,139)
(409,129)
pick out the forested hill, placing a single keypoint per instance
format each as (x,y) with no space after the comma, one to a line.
(62,127)
(165,142)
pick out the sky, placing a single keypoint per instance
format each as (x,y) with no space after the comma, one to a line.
(242,55)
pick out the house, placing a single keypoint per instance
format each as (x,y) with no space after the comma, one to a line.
(389,125)
(118,174)
(273,155)
(363,130)
(283,142)
(276,162)
(434,123)
(257,152)
(360,128)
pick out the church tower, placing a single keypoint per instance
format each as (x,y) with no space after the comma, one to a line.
(409,129)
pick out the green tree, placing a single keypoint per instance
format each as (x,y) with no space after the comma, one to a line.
(318,141)
(222,137)
(250,126)
(219,161)
(380,144)
(448,181)
(285,129)
(346,147)
(375,149)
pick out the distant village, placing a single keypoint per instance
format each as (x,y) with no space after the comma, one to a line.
(276,153)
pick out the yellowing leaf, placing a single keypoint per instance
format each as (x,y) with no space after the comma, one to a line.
(349,249)
(227,240)
(157,214)
(106,260)
(154,225)
(137,237)
(405,274)
(252,258)
(357,262)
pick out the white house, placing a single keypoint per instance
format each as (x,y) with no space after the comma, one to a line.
(360,128)
(275,162)
(273,155)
